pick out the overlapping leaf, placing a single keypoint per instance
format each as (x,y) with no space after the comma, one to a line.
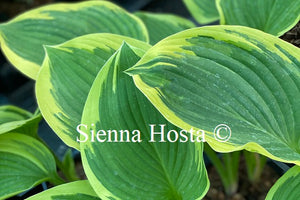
(204,11)
(67,75)
(272,16)
(16,119)
(78,190)
(122,166)
(24,163)
(287,187)
(22,38)
(230,75)
(160,26)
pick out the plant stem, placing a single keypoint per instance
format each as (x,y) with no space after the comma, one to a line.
(231,162)
(255,164)
(70,175)
(56,180)
(227,170)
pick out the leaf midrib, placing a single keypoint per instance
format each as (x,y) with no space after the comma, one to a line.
(160,160)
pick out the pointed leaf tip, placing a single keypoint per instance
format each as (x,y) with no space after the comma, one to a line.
(81,59)
(125,44)
(134,70)
(130,71)
(124,49)
(204,77)
(114,94)
(49,49)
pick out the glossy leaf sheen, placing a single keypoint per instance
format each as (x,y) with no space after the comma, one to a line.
(22,38)
(204,11)
(271,16)
(67,75)
(78,190)
(229,75)
(160,26)
(16,119)
(287,187)
(135,170)
(24,163)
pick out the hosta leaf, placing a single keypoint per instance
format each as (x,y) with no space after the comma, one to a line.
(135,169)
(24,163)
(271,16)
(287,187)
(16,119)
(68,166)
(78,190)
(237,76)
(22,38)
(67,76)
(160,26)
(204,11)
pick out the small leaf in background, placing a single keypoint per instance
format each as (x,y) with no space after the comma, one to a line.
(271,16)
(228,81)
(22,38)
(135,169)
(68,166)
(78,190)
(255,164)
(160,26)
(287,187)
(24,163)
(67,75)
(204,11)
(18,120)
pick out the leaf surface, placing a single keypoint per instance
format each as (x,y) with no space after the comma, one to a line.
(123,167)
(228,75)
(67,75)
(287,187)
(204,11)
(18,120)
(24,163)
(78,190)
(160,26)
(23,37)
(271,16)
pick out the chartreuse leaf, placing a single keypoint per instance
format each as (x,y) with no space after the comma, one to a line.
(16,119)
(68,165)
(67,75)
(271,16)
(24,163)
(78,190)
(287,187)
(22,38)
(160,26)
(230,75)
(204,11)
(134,168)
(10,113)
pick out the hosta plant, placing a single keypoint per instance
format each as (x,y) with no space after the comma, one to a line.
(25,160)
(272,16)
(139,114)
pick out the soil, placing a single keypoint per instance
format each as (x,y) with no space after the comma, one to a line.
(246,189)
